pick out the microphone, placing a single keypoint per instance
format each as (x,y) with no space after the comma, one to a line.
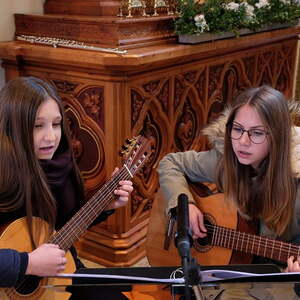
(183,239)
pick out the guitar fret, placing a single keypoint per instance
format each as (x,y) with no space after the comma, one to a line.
(246,242)
(254,244)
(265,249)
(279,255)
(238,237)
(273,248)
(74,228)
(252,247)
(258,245)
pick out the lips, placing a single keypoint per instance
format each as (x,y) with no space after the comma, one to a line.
(243,154)
(46,149)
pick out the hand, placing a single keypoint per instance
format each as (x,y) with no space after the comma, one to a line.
(46,260)
(197,222)
(121,194)
(293,265)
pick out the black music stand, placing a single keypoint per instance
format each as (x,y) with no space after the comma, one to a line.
(99,288)
(91,288)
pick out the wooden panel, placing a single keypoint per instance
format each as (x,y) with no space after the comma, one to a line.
(105,31)
(83,7)
(168,92)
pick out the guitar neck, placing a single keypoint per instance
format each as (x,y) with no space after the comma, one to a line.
(253,244)
(77,225)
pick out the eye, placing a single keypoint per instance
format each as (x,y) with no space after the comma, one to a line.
(257,132)
(58,124)
(236,129)
(38,125)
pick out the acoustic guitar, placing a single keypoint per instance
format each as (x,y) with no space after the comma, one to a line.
(16,235)
(230,239)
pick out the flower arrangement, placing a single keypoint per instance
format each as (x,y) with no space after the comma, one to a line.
(219,16)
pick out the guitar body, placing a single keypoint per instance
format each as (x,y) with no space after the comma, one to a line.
(216,211)
(16,236)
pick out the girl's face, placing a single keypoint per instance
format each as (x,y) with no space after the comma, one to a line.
(247,152)
(47,129)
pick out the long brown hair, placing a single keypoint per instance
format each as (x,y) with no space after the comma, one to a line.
(270,192)
(22,181)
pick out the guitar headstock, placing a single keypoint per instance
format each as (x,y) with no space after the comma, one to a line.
(136,152)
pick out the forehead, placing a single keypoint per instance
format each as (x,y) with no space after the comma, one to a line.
(48,109)
(248,117)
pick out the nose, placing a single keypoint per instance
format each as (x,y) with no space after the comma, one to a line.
(245,139)
(50,134)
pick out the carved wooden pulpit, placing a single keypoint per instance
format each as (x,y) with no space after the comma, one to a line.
(149,85)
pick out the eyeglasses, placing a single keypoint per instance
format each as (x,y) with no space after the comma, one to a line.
(256,136)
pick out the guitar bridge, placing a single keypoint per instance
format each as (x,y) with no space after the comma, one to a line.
(170,230)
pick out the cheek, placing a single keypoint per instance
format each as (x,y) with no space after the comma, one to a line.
(58,135)
(264,150)
(234,145)
(36,139)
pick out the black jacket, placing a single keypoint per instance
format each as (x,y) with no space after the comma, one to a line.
(13,265)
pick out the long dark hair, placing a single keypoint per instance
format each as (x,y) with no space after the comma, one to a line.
(22,181)
(269,193)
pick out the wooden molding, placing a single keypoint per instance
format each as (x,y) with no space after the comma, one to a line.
(83,7)
(102,31)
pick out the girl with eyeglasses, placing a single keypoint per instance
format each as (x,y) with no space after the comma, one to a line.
(253,161)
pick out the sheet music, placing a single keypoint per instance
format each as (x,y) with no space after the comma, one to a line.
(106,276)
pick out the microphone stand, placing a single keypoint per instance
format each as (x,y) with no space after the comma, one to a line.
(185,266)
(184,242)
(194,278)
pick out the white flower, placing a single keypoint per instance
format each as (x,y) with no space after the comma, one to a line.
(200,23)
(249,9)
(199,18)
(262,3)
(286,1)
(232,6)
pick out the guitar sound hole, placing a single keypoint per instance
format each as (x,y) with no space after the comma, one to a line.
(27,285)
(205,244)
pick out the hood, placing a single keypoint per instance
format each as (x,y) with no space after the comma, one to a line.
(215,133)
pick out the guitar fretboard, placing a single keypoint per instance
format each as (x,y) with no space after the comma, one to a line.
(78,224)
(253,244)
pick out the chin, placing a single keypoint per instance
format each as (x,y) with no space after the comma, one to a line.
(45,156)
(244,162)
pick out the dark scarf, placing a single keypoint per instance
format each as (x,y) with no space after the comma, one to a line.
(60,175)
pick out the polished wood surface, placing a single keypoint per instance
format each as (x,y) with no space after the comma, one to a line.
(109,31)
(83,7)
(166,91)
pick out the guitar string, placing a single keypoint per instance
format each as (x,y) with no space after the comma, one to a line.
(284,249)
(122,174)
(106,190)
(59,238)
(94,206)
(224,236)
(259,242)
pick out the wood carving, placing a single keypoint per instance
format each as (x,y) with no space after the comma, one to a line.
(166,91)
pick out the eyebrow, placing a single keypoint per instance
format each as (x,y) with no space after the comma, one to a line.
(57,117)
(253,127)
